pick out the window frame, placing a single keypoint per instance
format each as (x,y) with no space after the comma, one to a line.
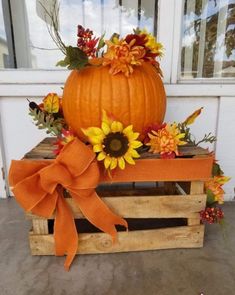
(176,68)
(169,33)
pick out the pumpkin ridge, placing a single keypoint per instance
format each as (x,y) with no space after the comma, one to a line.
(155,88)
(93,89)
(100,96)
(145,101)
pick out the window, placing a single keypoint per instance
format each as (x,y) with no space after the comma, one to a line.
(208,41)
(32,44)
(5,61)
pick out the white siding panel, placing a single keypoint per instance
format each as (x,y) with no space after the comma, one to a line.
(226,142)
(18,132)
(179,108)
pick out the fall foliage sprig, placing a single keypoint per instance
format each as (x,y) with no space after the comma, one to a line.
(47,121)
(189,138)
(48,115)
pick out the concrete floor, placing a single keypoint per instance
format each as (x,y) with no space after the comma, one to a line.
(210,270)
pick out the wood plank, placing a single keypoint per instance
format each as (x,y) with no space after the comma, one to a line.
(40,226)
(196,187)
(46,147)
(148,207)
(93,243)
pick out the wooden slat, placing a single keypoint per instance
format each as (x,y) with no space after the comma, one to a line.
(197,187)
(40,226)
(148,207)
(45,151)
(92,243)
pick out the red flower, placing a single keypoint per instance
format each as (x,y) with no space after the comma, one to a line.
(149,129)
(86,42)
(66,137)
(140,40)
(212,215)
(170,155)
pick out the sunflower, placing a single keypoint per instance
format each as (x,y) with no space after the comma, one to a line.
(114,144)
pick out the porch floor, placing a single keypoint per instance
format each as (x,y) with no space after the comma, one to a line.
(210,270)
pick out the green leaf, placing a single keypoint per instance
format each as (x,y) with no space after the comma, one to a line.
(115,35)
(62,63)
(101,43)
(47,121)
(76,57)
(210,197)
(216,170)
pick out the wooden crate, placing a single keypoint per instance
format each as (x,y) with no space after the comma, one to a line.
(169,200)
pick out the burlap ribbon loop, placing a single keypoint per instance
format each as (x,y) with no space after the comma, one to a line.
(38,187)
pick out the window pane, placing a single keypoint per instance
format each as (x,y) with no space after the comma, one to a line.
(33,44)
(208,42)
(4,52)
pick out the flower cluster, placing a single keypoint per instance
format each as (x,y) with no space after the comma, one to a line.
(48,114)
(65,137)
(123,54)
(165,140)
(214,188)
(86,42)
(212,215)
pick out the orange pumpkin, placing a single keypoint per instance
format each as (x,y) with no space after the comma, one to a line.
(139,100)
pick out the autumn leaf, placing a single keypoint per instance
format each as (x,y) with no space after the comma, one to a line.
(51,103)
(190,120)
(222,179)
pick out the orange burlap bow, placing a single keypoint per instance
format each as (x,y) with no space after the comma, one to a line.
(38,187)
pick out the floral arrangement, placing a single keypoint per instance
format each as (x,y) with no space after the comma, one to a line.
(121,54)
(113,143)
(117,146)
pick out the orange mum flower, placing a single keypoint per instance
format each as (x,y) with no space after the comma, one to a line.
(215,185)
(166,140)
(122,56)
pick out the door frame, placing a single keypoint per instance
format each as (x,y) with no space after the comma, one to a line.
(4,188)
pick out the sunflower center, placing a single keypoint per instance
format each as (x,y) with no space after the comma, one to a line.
(115,144)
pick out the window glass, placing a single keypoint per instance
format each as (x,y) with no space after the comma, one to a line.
(33,44)
(208,41)
(4,53)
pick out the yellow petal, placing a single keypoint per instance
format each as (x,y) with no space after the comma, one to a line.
(113,164)
(222,179)
(121,163)
(97,148)
(182,142)
(116,126)
(92,131)
(129,159)
(190,120)
(101,156)
(107,162)
(136,144)
(127,129)
(105,127)
(105,118)
(134,153)
(96,131)
(96,139)
(133,136)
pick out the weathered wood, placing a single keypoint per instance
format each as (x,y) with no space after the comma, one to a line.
(169,188)
(148,207)
(45,148)
(92,243)
(156,202)
(196,187)
(40,226)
